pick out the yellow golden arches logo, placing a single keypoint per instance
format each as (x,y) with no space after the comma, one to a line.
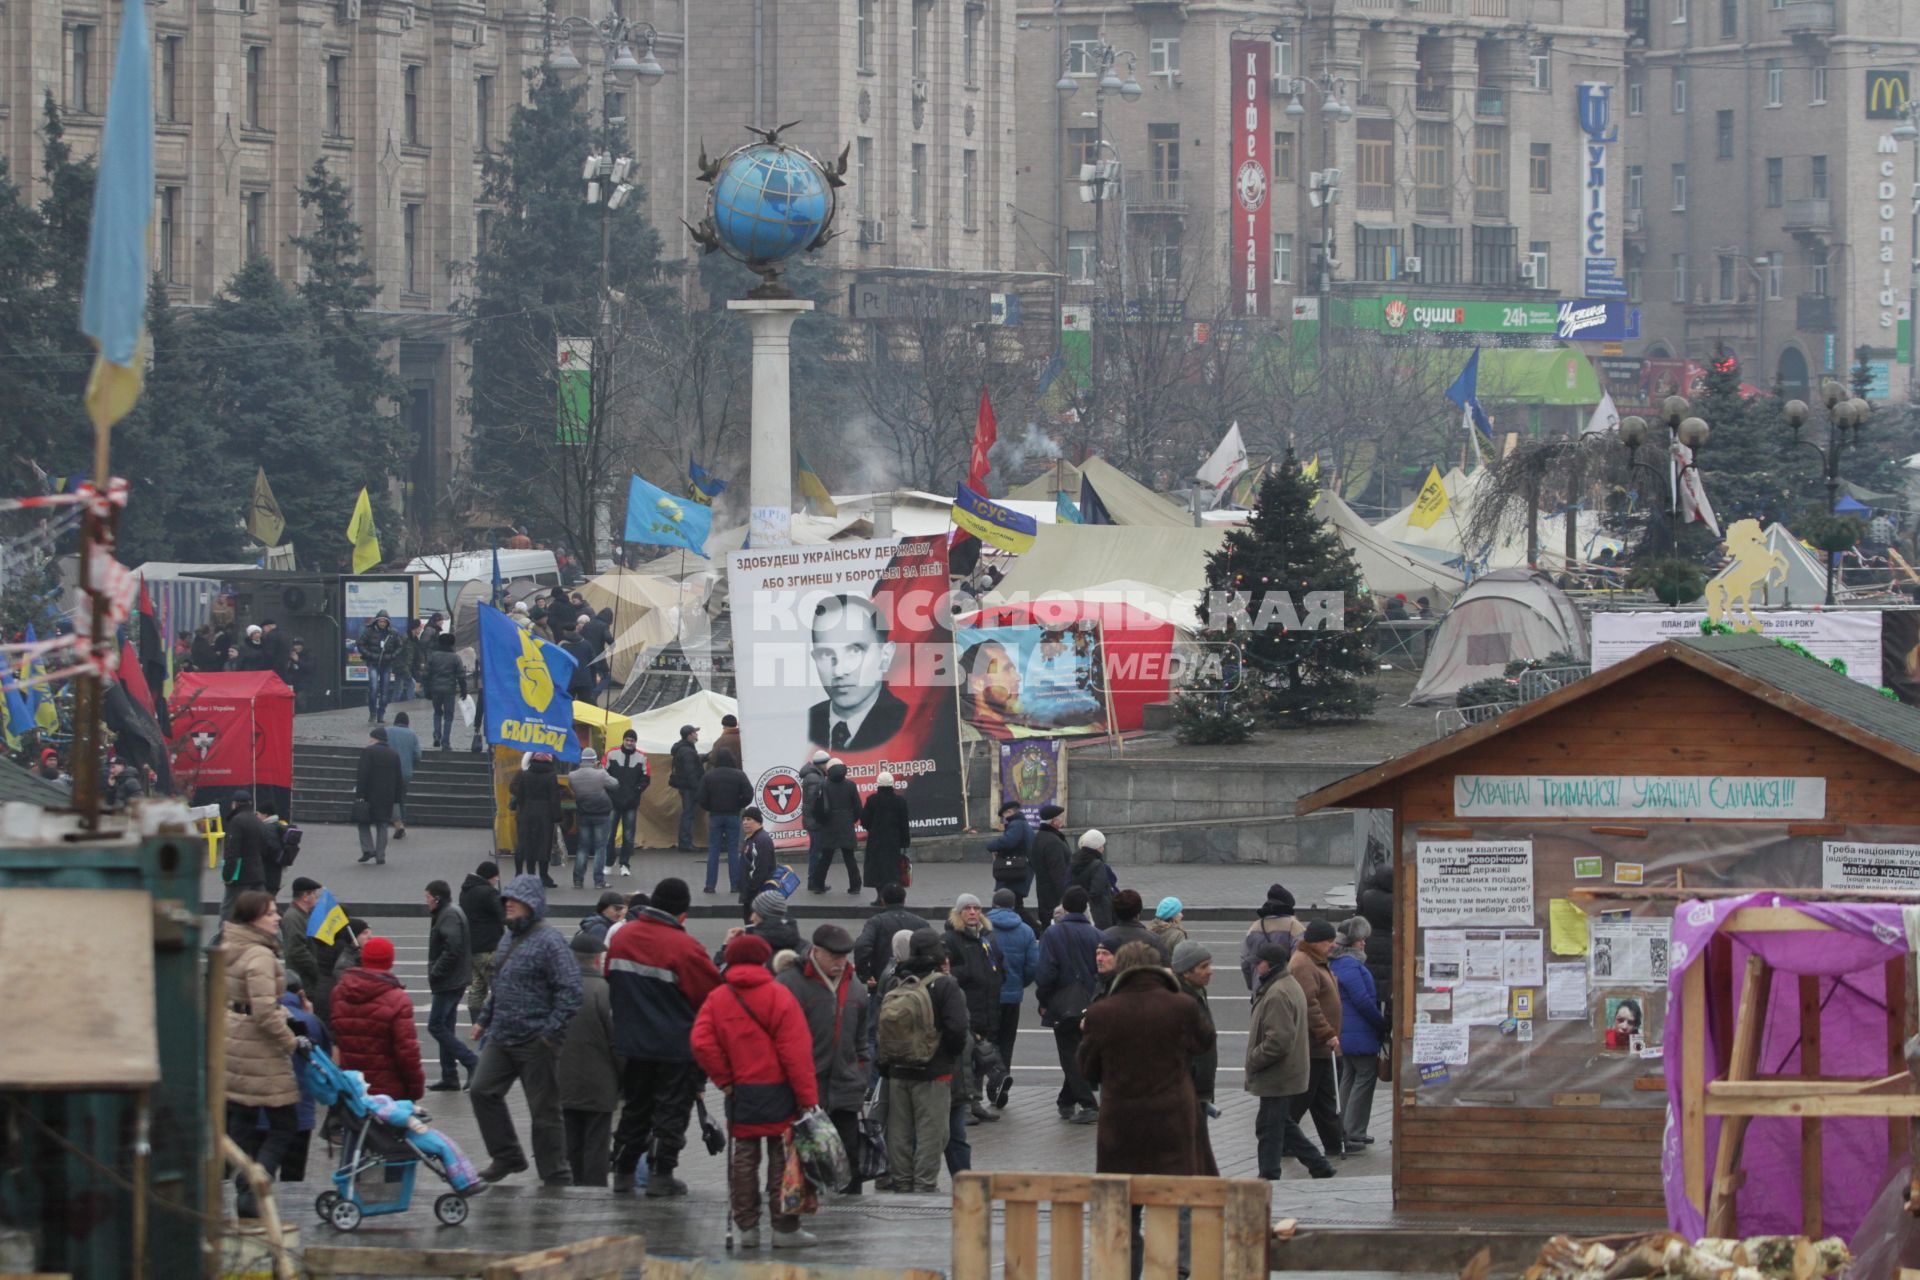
(536,682)
(1886,94)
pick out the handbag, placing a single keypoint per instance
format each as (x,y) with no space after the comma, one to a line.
(785,879)
(711,1135)
(1386,1061)
(823,1157)
(797,1195)
(906,872)
(362,814)
(870,1162)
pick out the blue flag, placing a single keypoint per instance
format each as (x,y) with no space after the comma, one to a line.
(327,918)
(1092,510)
(993,524)
(1465,392)
(1064,512)
(656,517)
(113,311)
(526,680)
(704,480)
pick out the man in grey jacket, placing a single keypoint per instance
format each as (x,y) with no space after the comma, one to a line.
(1278,1061)
(835,1002)
(449,973)
(589,1075)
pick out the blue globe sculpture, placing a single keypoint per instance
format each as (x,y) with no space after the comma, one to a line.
(769,203)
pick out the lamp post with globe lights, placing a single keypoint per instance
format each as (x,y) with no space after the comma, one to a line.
(1846,415)
(1683,428)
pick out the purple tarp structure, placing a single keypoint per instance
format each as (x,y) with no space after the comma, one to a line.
(1850,962)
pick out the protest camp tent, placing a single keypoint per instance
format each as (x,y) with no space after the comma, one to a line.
(1505,616)
(233,731)
(657,731)
(1060,477)
(647,610)
(1386,567)
(1160,569)
(1806,579)
(1127,500)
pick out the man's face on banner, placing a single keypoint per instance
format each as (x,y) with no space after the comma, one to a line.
(994,679)
(849,652)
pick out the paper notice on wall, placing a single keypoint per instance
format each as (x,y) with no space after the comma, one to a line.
(1433,1002)
(1475,882)
(1846,865)
(1522,961)
(1479,1004)
(1630,952)
(1440,1043)
(1567,992)
(1445,957)
(1486,955)
(1569,924)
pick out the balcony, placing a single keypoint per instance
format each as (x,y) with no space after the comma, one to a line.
(1813,313)
(1155,191)
(1490,101)
(1807,18)
(1371,93)
(1433,95)
(1808,216)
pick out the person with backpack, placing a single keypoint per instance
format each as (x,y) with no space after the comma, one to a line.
(752,1041)
(1091,872)
(1012,851)
(758,858)
(1065,985)
(813,776)
(922,1031)
(1275,917)
(836,809)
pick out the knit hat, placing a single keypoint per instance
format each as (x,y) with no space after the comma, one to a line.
(770,904)
(672,895)
(487,870)
(902,944)
(926,945)
(1318,931)
(610,898)
(254,630)
(242,800)
(376,953)
(1048,812)
(588,943)
(378,733)
(1277,893)
(1094,838)
(519,606)
(831,937)
(1169,908)
(1276,951)
(964,901)
(1189,955)
(1004,898)
(884,780)
(820,757)
(748,948)
(589,756)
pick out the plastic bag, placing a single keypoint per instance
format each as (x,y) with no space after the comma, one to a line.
(468,711)
(821,1153)
(796,1193)
(871,1162)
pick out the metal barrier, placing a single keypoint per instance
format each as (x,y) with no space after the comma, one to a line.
(1453,719)
(1541,681)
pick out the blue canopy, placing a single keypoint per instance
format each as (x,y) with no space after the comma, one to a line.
(1851,506)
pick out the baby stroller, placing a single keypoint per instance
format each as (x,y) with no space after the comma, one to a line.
(383,1145)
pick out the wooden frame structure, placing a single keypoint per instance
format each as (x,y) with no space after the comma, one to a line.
(1740,1094)
(1229,1226)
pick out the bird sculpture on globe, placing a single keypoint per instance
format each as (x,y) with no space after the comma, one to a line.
(768,201)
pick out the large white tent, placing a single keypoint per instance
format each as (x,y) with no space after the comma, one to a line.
(1448,534)
(1387,567)
(1806,581)
(1160,570)
(1505,616)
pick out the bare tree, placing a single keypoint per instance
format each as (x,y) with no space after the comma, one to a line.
(921,378)
(1553,473)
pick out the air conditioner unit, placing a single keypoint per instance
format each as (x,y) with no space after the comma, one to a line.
(873,231)
(1529,269)
(1411,266)
(1282,86)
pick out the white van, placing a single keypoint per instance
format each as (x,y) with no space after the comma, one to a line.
(440,576)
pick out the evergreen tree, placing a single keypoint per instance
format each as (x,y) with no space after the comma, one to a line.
(1748,463)
(1304,677)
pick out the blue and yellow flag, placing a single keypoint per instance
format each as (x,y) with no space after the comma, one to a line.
(993,524)
(526,680)
(657,518)
(813,489)
(1064,510)
(114,310)
(704,480)
(40,705)
(327,918)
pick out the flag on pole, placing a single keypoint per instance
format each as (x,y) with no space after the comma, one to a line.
(1312,469)
(1064,510)
(45,715)
(1432,502)
(1694,506)
(985,432)
(657,518)
(1228,463)
(361,533)
(703,480)
(992,523)
(1246,490)
(1092,510)
(327,918)
(813,490)
(1465,392)
(114,310)
(1605,417)
(265,522)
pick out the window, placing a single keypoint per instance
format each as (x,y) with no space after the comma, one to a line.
(1081,43)
(969,176)
(1725,269)
(1636,187)
(1283,54)
(970,44)
(1433,166)
(483,113)
(1376,253)
(863,175)
(1817,272)
(1776,281)
(1490,170)
(1636,283)
(167,92)
(1283,257)
(1373,158)
(1679,11)
(1776,82)
(1283,157)
(1729,19)
(1080,257)
(1679,267)
(1679,90)
(614,104)
(1083,148)
(1163,154)
(1163,49)
(1438,249)
(410,104)
(1540,168)
(254,208)
(256,73)
(1723,135)
(1818,73)
(1817,178)
(1163,257)
(335,122)
(482,228)
(917,209)
(863,32)
(919,37)
(1776,182)
(169,235)
(79,68)
(1636,96)
(1542,70)
(410,247)
(1493,255)
(1679,188)
(1540,255)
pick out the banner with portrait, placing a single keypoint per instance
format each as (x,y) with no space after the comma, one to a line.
(1030,774)
(1030,680)
(846,648)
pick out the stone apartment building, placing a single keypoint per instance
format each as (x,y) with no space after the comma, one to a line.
(1768,203)
(405,99)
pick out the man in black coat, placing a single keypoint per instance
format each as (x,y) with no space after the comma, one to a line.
(443,682)
(724,791)
(630,773)
(1052,862)
(875,945)
(449,974)
(248,848)
(486,925)
(685,779)
(379,785)
(837,811)
(758,857)
(378,646)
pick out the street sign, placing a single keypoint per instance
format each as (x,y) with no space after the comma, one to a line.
(899,300)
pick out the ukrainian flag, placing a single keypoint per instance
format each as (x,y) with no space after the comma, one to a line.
(993,524)
(813,489)
(327,918)
(114,310)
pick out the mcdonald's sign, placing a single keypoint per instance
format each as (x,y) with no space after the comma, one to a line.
(1886,95)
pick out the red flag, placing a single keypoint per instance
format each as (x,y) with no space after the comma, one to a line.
(985,432)
(146,601)
(134,678)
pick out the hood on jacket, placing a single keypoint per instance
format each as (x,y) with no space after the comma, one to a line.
(1146,975)
(1003,918)
(537,765)
(474,879)
(986,922)
(364,981)
(527,889)
(811,770)
(1085,854)
(837,773)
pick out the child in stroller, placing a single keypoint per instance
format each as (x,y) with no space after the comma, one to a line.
(385,1141)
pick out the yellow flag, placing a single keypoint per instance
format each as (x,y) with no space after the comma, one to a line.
(1432,502)
(1312,470)
(364,537)
(265,523)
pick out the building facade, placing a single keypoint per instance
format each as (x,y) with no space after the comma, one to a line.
(1769,202)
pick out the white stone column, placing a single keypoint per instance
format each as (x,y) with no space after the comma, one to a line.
(771,459)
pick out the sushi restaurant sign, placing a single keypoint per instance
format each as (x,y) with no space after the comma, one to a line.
(1714,795)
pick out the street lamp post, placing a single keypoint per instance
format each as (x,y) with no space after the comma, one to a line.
(1682,428)
(1845,416)
(1323,183)
(1104,59)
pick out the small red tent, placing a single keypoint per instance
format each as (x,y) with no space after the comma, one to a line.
(233,730)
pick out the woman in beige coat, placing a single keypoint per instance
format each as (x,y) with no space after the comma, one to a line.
(261,1089)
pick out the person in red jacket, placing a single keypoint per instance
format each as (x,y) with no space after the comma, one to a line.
(372,1020)
(752,1040)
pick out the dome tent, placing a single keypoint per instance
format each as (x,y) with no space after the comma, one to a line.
(1505,616)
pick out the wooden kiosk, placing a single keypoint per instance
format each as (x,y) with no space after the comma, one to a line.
(1530,952)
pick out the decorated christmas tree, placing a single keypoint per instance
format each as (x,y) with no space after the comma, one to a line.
(1304,661)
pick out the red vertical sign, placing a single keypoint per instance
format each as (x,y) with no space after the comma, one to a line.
(1252,195)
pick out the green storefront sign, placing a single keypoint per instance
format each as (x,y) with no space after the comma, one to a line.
(1407,315)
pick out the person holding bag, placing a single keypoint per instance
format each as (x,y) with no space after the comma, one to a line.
(1065,985)
(1363,1031)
